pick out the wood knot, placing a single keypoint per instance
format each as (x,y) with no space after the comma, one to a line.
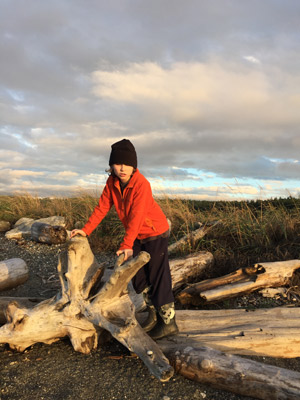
(207,365)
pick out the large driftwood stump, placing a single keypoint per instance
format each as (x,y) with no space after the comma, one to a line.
(183,270)
(13,272)
(240,282)
(81,314)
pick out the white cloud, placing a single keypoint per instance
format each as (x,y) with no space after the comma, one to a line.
(211,93)
(13,177)
(66,174)
(252,59)
(20,173)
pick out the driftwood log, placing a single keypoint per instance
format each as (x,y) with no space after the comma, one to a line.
(22,228)
(82,315)
(272,332)
(189,268)
(236,374)
(46,233)
(13,272)
(240,282)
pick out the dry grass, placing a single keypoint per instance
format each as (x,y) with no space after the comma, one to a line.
(249,232)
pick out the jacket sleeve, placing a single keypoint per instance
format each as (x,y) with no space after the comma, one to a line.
(100,211)
(137,216)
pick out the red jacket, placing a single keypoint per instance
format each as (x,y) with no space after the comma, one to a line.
(141,216)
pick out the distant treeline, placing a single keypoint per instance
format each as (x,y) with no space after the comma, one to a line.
(288,203)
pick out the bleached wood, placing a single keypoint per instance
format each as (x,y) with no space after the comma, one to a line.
(22,228)
(262,332)
(59,316)
(235,374)
(118,317)
(189,268)
(274,292)
(81,315)
(13,272)
(192,237)
(243,281)
(46,233)
(27,302)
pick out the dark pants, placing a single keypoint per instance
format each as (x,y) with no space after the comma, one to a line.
(156,273)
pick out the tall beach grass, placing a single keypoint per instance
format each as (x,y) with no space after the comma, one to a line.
(248,232)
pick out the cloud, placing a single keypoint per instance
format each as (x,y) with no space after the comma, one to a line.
(205,92)
(252,59)
(10,176)
(214,93)
(224,191)
(66,176)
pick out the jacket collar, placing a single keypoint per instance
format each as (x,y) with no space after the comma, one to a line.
(131,182)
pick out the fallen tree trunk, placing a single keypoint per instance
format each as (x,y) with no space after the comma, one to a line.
(46,233)
(81,314)
(22,228)
(272,332)
(190,268)
(13,272)
(243,281)
(238,375)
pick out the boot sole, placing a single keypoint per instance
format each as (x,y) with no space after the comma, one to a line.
(166,335)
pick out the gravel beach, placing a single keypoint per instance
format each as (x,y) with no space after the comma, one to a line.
(56,371)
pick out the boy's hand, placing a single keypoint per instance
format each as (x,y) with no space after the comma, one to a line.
(127,253)
(75,232)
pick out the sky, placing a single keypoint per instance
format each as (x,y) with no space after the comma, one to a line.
(208,91)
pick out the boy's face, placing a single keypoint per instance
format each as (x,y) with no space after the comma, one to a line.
(123,172)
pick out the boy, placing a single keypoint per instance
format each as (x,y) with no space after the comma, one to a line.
(146,229)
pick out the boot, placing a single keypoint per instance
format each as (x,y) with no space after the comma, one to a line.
(166,324)
(151,319)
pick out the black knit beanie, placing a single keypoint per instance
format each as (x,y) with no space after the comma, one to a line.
(123,152)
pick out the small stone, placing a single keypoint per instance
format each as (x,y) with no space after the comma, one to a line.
(4,226)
